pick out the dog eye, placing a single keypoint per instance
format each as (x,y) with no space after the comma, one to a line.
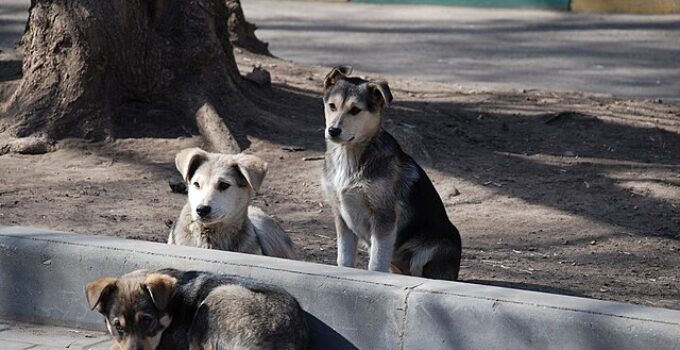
(332,107)
(354,110)
(222,186)
(197,185)
(145,322)
(119,328)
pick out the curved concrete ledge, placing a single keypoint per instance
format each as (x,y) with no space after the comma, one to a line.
(43,273)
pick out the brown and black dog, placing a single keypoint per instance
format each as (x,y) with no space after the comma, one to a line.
(172,309)
(378,193)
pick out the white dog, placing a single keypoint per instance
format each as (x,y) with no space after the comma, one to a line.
(218,214)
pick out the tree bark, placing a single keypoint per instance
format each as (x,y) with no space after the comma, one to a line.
(128,68)
(242,32)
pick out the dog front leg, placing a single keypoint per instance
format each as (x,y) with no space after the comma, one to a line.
(347,243)
(382,249)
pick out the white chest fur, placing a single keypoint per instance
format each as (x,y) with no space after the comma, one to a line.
(342,184)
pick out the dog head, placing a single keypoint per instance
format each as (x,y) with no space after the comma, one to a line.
(220,185)
(353,106)
(135,307)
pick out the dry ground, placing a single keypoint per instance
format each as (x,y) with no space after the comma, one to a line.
(566,193)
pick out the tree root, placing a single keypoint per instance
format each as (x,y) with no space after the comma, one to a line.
(213,129)
(27,145)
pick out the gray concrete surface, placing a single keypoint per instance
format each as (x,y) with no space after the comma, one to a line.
(43,275)
(20,336)
(13,16)
(626,55)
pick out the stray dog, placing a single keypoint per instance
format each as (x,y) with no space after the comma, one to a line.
(217,214)
(172,309)
(378,193)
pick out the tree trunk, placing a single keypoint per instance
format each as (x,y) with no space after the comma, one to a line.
(128,68)
(242,32)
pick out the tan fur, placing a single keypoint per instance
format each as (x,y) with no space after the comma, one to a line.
(185,157)
(161,288)
(238,310)
(129,289)
(370,183)
(334,74)
(95,290)
(226,313)
(355,128)
(232,225)
(253,168)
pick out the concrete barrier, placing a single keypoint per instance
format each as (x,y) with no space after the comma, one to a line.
(43,273)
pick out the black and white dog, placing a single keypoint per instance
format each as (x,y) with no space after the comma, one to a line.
(378,193)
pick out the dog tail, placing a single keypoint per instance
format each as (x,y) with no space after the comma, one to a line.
(273,239)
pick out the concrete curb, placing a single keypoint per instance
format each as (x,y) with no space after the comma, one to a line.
(43,273)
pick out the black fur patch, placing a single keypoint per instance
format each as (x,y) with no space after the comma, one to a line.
(241,180)
(428,221)
(194,163)
(357,87)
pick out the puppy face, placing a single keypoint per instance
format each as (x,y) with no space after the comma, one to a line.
(353,106)
(134,306)
(220,185)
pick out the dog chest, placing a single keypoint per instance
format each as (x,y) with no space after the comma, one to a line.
(355,212)
(349,200)
(345,188)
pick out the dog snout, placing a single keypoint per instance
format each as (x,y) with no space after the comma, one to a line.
(334,132)
(203,210)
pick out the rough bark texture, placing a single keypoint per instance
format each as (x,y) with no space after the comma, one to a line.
(129,68)
(242,32)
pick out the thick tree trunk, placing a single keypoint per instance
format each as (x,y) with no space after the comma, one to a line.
(128,68)
(242,32)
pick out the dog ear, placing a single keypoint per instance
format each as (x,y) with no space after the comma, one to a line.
(161,288)
(188,160)
(253,169)
(381,92)
(332,76)
(99,291)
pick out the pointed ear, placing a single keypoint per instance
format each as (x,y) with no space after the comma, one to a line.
(334,74)
(161,288)
(381,92)
(253,169)
(188,160)
(99,291)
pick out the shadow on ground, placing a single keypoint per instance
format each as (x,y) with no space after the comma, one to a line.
(581,160)
(562,160)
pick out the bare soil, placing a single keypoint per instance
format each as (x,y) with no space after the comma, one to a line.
(565,193)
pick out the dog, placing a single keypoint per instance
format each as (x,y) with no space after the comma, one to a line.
(379,195)
(172,309)
(218,214)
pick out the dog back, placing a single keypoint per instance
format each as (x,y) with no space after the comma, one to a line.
(272,238)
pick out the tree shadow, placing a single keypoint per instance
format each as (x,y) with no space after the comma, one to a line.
(565,50)
(529,286)
(590,326)
(482,28)
(325,337)
(10,70)
(562,160)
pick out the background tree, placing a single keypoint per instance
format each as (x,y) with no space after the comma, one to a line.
(130,68)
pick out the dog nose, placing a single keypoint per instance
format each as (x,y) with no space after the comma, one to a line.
(333,131)
(203,210)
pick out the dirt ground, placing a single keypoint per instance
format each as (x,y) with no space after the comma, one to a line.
(558,192)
